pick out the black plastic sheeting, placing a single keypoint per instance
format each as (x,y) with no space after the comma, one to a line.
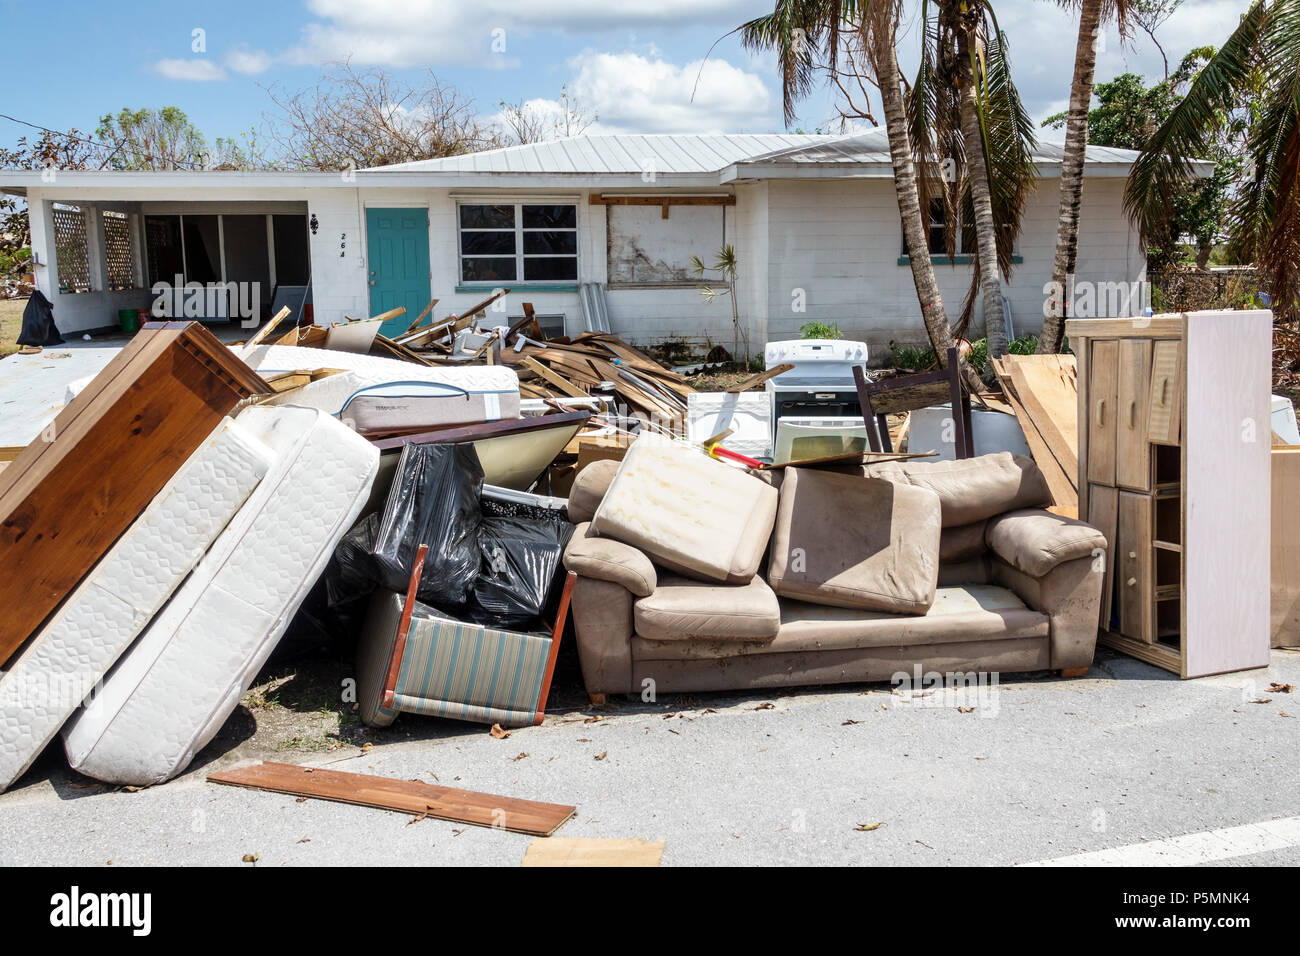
(489,562)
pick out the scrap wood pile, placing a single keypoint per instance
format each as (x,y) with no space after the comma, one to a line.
(1043,391)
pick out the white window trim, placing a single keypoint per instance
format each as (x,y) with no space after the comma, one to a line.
(518,230)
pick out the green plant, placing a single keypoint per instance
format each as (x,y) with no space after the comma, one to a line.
(820,330)
(912,358)
(726,263)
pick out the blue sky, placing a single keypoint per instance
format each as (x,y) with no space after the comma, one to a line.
(634,62)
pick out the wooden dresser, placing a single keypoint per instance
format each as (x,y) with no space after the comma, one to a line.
(1174,441)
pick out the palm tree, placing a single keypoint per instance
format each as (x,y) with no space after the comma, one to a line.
(1092,14)
(1259,61)
(801,32)
(965,105)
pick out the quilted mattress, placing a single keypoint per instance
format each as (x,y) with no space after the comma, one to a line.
(169,695)
(378,393)
(64,660)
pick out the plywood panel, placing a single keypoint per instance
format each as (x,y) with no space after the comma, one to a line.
(1226,487)
(1164,416)
(1133,453)
(1133,567)
(1286,547)
(1103,394)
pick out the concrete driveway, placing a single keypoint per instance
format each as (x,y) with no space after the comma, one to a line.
(1128,759)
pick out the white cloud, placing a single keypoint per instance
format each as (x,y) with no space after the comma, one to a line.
(195,71)
(415,33)
(633,93)
(249,62)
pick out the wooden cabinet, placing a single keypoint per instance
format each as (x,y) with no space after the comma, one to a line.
(1174,453)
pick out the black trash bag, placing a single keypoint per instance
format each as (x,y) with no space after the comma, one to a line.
(38,323)
(520,571)
(434,500)
(352,576)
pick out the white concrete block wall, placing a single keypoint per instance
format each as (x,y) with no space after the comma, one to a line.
(338,256)
(840,242)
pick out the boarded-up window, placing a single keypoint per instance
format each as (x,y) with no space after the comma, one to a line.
(119,255)
(647,249)
(71,249)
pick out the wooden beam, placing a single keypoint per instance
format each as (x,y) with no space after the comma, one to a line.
(565,386)
(420,318)
(390,314)
(405,796)
(665,201)
(267,329)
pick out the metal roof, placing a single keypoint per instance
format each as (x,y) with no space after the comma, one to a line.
(618,153)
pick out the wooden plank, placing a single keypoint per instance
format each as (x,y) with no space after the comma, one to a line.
(761,377)
(1133,571)
(1103,514)
(1050,395)
(565,386)
(405,796)
(390,314)
(1103,394)
(420,318)
(1132,451)
(1225,487)
(586,851)
(1159,655)
(1284,627)
(1160,326)
(599,200)
(267,329)
(1164,415)
(69,495)
(1059,482)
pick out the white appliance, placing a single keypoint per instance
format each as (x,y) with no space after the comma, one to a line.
(929,429)
(821,383)
(747,414)
(799,438)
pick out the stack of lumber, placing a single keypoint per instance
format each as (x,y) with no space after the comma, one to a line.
(599,361)
(1043,391)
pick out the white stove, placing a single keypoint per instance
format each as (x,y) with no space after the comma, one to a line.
(815,408)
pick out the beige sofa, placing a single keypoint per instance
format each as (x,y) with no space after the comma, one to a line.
(1016,588)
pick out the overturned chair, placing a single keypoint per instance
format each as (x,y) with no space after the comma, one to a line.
(412,659)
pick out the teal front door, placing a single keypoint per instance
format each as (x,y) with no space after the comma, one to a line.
(397,261)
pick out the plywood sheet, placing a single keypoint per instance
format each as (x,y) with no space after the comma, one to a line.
(1226,486)
(1285,627)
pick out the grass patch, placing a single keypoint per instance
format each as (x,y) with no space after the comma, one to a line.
(11,322)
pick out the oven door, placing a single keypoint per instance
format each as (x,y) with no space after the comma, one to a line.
(811,403)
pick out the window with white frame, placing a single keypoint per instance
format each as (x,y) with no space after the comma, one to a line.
(119,251)
(518,242)
(71,248)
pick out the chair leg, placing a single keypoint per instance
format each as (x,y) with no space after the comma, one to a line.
(882,431)
(1068,672)
(597,700)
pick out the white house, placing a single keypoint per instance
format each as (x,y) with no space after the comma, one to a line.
(813,220)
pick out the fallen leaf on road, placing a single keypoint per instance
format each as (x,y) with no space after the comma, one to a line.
(766,705)
(522,756)
(498,732)
(849,723)
(1262,700)
(1280,688)
(601,755)
(251,857)
(368,746)
(965,710)
(868,827)
(594,719)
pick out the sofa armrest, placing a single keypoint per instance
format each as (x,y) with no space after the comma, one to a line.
(1035,541)
(1070,595)
(608,560)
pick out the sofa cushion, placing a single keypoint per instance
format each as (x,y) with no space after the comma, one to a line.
(589,488)
(958,616)
(856,542)
(681,609)
(608,560)
(972,489)
(963,542)
(1036,541)
(690,513)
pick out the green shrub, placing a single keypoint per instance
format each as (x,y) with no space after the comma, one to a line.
(820,330)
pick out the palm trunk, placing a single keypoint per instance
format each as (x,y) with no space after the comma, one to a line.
(986,241)
(915,235)
(1076,141)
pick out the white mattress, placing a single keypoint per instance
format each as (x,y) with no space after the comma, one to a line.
(377,393)
(62,663)
(169,695)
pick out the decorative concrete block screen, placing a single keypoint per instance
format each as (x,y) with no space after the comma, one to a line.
(71,248)
(118,253)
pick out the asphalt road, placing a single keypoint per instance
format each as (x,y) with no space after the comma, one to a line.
(1040,768)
